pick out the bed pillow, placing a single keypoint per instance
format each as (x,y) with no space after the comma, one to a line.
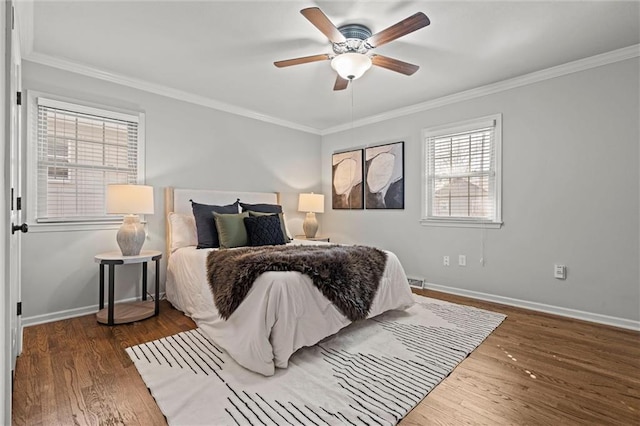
(280,217)
(262,208)
(206,226)
(231,230)
(287,233)
(182,229)
(264,230)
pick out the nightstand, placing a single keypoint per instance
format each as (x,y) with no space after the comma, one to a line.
(316,238)
(123,313)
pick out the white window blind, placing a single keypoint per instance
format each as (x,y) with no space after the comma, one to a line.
(79,151)
(462,181)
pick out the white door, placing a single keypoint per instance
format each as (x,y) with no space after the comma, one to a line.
(11,162)
(15,189)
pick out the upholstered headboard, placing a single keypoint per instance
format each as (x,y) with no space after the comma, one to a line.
(177,200)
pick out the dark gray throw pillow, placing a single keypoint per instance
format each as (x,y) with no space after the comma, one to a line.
(262,208)
(264,230)
(206,226)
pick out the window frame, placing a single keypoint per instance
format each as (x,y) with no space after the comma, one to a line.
(70,224)
(427,219)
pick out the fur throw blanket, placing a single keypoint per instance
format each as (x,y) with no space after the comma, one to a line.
(346,275)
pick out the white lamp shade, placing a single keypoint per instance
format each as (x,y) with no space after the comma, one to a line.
(351,65)
(129,199)
(311,203)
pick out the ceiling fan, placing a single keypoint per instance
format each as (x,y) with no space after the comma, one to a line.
(352,44)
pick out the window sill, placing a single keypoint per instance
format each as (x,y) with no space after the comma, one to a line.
(452,223)
(72,226)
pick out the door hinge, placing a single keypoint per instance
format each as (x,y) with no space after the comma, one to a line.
(19,98)
(19,203)
(13,18)
(19,309)
(11,199)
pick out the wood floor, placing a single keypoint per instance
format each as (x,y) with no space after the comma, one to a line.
(535,369)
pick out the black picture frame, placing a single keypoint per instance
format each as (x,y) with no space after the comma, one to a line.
(384,176)
(347,185)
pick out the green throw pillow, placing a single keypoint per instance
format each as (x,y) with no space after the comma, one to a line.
(231,230)
(280,216)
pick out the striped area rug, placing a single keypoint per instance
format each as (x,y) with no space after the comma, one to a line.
(370,373)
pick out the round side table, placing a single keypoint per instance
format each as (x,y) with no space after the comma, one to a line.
(123,313)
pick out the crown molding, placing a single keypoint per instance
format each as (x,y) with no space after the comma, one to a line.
(524,80)
(161,90)
(512,83)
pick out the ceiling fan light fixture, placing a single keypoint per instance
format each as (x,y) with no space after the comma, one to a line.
(351,65)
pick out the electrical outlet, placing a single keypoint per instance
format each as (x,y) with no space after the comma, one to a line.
(560,272)
(462,260)
(445,261)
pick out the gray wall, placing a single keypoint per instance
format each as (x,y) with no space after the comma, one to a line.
(570,196)
(187,146)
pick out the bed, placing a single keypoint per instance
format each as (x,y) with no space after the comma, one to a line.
(282,312)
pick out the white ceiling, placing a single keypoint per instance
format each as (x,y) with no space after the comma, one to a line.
(224,50)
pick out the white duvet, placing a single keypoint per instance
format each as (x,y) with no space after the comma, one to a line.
(282,312)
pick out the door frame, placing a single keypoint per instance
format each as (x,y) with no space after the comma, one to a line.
(15,187)
(5,332)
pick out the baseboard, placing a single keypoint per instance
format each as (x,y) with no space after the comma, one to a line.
(540,307)
(69,313)
(534,306)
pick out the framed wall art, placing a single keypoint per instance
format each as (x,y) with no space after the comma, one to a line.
(346,185)
(384,176)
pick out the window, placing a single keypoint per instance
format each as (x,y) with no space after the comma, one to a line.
(461,185)
(75,152)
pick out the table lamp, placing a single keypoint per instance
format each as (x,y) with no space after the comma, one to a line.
(130,200)
(312,204)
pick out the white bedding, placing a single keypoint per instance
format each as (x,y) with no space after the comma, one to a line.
(282,312)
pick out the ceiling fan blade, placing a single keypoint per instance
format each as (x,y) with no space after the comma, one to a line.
(341,83)
(394,64)
(302,60)
(402,28)
(321,22)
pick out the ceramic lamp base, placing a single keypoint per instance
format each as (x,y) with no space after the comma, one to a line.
(310,225)
(131,236)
